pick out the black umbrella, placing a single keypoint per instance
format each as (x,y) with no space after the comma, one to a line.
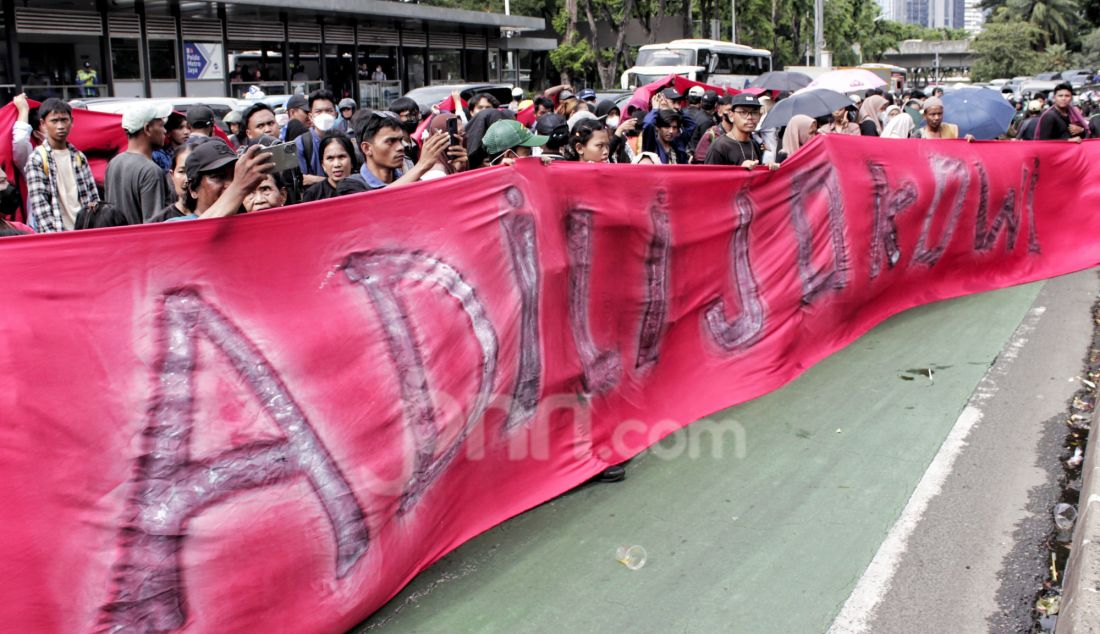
(812,103)
(789,81)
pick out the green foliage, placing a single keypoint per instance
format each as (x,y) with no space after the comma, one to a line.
(1056,57)
(1056,20)
(1005,49)
(1090,50)
(577,59)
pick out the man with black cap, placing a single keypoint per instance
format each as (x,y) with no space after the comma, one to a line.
(218,180)
(297,108)
(201,120)
(588,95)
(738,147)
(667,99)
(555,128)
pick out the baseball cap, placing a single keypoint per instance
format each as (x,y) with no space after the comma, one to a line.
(580,116)
(233,116)
(566,95)
(347,102)
(517,93)
(672,93)
(1035,105)
(547,123)
(725,100)
(200,116)
(696,91)
(143,113)
(745,100)
(710,98)
(208,157)
(587,94)
(297,101)
(509,133)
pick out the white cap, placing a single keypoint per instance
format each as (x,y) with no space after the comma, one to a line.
(696,91)
(517,92)
(143,113)
(580,116)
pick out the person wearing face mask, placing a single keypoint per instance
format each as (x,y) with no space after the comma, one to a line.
(322,116)
(408,112)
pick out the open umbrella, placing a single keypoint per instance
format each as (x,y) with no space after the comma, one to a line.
(981,112)
(816,102)
(783,80)
(848,80)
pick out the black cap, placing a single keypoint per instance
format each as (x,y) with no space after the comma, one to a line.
(548,122)
(297,101)
(725,100)
(710,99)
(672,93)
(208,157)
(747,100)
(200,116)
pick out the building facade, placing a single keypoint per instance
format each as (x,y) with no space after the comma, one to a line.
(169,48)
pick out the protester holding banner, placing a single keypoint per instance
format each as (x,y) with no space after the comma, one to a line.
(738,147)
(1063,121)
(59,179)
(507,140)
(934,126)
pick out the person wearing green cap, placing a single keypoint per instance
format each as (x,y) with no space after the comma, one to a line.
(508,139)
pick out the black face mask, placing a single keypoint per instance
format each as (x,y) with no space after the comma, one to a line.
(409,125)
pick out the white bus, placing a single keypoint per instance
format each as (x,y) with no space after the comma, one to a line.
(707,61)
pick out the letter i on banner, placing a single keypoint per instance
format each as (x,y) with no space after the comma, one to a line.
(522,243)
(170,488)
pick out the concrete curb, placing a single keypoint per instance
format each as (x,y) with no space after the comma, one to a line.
(1080,609)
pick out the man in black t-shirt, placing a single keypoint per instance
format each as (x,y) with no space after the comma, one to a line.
(738,147)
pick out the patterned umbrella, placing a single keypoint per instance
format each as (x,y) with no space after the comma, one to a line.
(848,80)
(981,112)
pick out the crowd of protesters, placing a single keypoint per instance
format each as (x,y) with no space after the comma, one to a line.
(177,167)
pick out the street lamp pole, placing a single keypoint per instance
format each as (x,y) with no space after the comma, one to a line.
(733,21)
(819,31)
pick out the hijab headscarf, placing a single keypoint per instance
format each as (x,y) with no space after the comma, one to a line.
(605,107)
(870,110)
(797,133)
(900,127)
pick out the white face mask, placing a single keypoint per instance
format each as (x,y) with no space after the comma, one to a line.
(323,121)
(612,122)
(281,119)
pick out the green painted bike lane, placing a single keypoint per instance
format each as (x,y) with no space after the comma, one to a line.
(760,518)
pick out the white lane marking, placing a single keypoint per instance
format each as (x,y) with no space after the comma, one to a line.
(859,609)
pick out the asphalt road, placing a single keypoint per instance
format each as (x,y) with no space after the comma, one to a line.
(901,485)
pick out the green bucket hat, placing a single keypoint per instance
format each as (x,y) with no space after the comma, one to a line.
(507,134)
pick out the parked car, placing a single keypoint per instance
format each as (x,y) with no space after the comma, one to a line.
(428,96)
(220,105)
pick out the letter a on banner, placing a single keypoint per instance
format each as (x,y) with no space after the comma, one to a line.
(170,487)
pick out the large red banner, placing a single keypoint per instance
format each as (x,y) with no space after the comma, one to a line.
(272,422)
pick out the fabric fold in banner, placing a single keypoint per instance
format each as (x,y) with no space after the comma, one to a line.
(275,421)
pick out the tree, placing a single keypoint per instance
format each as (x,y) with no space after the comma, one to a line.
(1055,19)
(1005,49)
(1090,50)
(1056,57)
(609,62)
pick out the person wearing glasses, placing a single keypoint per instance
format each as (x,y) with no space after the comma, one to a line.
(738,147)
(381,140)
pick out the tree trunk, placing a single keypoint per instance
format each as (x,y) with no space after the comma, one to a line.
(609,70)
(662,9)
(570,36)
(689,27)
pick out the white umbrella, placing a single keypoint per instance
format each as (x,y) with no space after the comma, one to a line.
(848,80)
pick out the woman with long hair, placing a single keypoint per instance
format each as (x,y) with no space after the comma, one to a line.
(337,162)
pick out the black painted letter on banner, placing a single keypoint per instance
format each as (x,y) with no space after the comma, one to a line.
(888,205)
(655,313)
(520,236)
(169,487)
(601,369)
(379,272)
(944,169)
(835,276)
(745,329)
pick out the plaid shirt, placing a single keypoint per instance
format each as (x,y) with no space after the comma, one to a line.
(43,203)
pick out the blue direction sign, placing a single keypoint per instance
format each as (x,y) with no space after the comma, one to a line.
(202,60)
